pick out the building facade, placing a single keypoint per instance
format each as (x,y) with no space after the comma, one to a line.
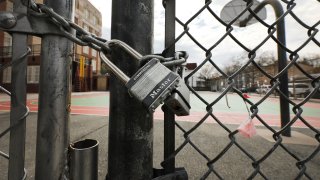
(252,78)
(86,63)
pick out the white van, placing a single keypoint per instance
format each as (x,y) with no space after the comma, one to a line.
(263,89)
(300,89)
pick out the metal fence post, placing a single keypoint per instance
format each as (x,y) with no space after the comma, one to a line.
(282,61)
(54,99)
(18,101)
(169,117)
(131,125)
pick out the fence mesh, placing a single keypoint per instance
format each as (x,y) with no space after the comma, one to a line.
(190,33)
(233,83)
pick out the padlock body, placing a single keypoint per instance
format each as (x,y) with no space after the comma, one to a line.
(179,101)
(152,84)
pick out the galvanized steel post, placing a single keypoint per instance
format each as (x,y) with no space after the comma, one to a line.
(18,101)
(131,125)
(54,99)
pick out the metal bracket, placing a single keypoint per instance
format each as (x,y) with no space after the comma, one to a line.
(179,174)
(32,24)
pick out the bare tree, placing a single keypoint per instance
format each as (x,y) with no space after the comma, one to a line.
(208,72)
(311,59)
(266,58)
(233,67)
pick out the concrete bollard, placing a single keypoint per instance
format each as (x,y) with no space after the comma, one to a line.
(84,160)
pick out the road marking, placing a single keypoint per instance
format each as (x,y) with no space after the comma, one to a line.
(296,138)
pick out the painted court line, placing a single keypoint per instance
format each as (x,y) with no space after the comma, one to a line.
(195,116)
(296,138)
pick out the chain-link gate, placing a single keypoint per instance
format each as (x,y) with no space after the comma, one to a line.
(38,24)
(233,142)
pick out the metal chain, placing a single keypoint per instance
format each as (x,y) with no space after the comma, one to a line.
(71,30)
(81,37)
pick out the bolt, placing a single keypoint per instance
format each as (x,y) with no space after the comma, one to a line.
(7,20)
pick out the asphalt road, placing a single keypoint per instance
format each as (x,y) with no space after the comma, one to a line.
(89,119)
(209,138)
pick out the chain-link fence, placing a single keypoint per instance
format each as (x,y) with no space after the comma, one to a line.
(228,81)
(189,34)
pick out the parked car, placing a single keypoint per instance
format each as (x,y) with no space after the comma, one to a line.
(248,89)
(263,89)
(317,94)
(244,90)
(299,89)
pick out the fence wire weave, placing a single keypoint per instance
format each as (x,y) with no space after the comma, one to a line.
(86,39)
(297,110)
(22,116)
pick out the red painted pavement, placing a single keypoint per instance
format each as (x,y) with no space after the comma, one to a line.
(225,118)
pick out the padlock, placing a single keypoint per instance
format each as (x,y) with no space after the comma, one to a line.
(151,84)
(179,100)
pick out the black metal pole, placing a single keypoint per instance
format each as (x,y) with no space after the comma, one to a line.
(169,117)
(282,61)
(18,101)
(130,125)
(54,100)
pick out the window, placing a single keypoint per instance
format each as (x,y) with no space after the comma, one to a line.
(94,20)
(94,65)
(93,52)
(86,14)
(77,5)
(7,40)
(85,49)
(33,74)
(86,27)
(6,75)
(9,6)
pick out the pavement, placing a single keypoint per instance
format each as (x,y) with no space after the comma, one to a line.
(233,112)
(210,137)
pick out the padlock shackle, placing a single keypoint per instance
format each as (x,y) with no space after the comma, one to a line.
(114,69)
(135,54)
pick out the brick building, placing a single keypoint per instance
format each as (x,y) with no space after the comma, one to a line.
(86,63)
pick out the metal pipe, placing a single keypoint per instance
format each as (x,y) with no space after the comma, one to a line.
(169,116)
(84,160)
(54,100)
(130,124)
(282,61)
(18,101)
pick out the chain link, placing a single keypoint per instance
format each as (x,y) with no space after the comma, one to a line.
(71,30)
(80,36)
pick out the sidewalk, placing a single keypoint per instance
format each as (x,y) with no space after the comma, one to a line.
(210,138)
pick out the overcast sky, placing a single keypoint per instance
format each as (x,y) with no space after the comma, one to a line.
(208,30)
